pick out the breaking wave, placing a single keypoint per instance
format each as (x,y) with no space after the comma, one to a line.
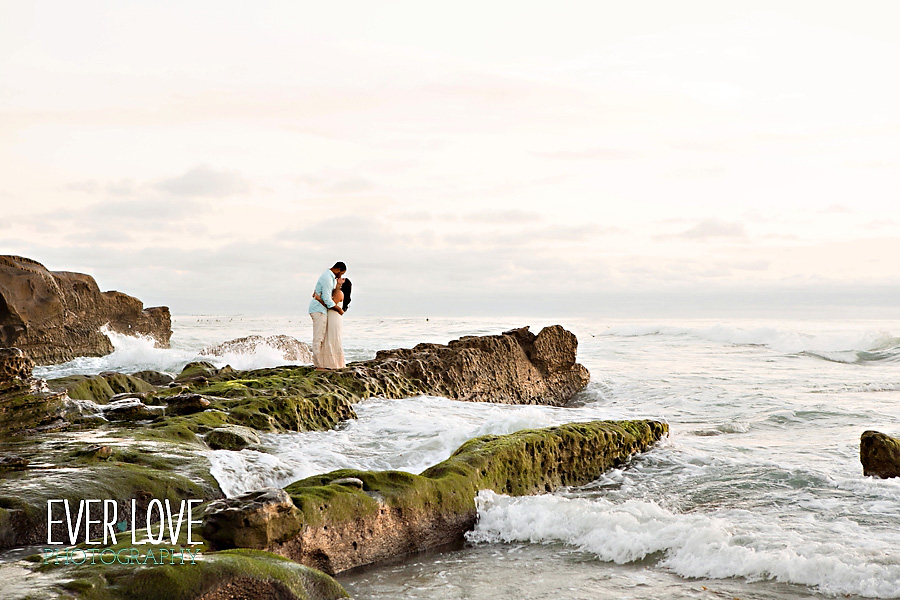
(836,557)
(138,353)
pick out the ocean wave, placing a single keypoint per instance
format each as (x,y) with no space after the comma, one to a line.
(138,353)
(835,557)
(844,347)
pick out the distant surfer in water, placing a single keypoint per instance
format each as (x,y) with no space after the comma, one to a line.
(320,308)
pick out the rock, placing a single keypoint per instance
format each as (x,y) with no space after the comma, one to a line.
(154,378)
(13,462)
(349,481)
(342,526)
(98,451)
(291,349)
(516,367)
(14,365)
(253,520)
(197,371)
(130,409)
(30,408)
(185,404)
(56,316)
(99,388)
(231,437)
(229,575)
(879,454)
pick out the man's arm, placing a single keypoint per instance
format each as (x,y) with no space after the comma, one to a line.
(325,295)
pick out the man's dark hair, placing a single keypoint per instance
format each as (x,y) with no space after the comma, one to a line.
(339,266)
(346,287)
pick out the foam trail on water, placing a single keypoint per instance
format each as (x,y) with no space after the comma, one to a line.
(837,557)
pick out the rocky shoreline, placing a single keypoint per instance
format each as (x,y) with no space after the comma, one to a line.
(136,438)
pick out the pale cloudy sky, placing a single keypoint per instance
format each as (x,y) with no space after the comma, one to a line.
(463,158)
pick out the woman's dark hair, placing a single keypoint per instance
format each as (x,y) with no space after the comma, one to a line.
(346,287)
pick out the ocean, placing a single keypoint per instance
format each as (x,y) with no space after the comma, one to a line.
(758,491)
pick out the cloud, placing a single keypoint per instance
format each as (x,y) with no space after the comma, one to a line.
(206,182)
(123,187)
(710,229)
(592,154)
(502,217)
(836,209)
(338,183)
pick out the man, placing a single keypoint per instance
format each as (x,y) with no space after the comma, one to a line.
(318,310)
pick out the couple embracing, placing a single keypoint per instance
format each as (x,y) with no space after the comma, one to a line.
(330,299)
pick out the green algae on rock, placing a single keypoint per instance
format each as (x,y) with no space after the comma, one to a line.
(230,574)
(99,388)
(342,526)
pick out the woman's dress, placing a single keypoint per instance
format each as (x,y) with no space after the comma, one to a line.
(332,349)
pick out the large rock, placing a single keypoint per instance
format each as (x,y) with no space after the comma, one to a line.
(56,316)
(292,350)
(879,454)
(517,367)
(349,518)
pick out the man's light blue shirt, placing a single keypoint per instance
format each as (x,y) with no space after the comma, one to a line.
(324,288)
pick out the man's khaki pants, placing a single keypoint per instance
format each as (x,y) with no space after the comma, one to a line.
(320,320)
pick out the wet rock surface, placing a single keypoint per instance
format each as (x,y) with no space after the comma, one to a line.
(55,316)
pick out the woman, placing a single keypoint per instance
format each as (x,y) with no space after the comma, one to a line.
(332,350)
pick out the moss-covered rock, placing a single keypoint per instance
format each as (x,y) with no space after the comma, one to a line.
(231,437)
(197,371)
(28,408)
(99,388)
(227,575)
(342,526)
(66,467)
(879,454)
(156,378)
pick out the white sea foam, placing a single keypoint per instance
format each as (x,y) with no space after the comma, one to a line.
(837,557)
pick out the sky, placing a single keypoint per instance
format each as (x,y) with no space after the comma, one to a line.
(649,158)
